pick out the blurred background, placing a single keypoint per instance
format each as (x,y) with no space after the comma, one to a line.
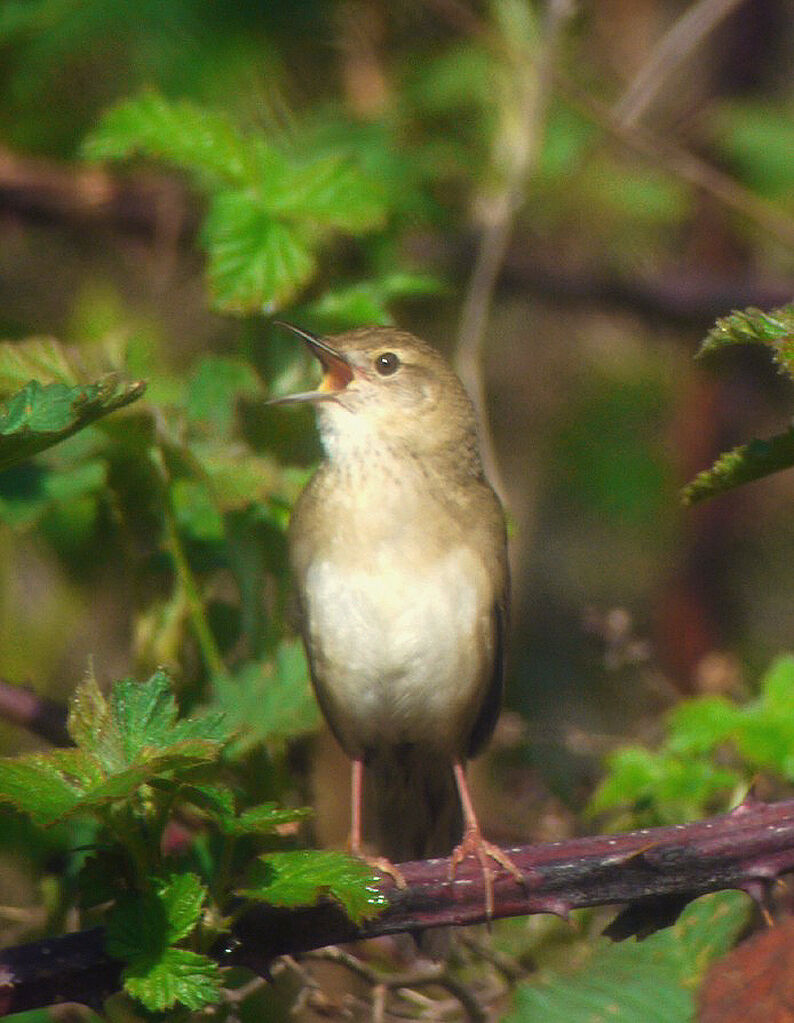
(573,193)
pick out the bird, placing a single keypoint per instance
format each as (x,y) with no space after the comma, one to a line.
(398,552)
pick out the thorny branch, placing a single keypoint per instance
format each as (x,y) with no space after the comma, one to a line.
(653,873)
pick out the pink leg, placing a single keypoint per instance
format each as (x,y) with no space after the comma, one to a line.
(356,780)
(379,863)
(473,844)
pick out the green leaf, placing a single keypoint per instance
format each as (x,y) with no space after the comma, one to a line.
(698,726)
(256,263)
(752,326)
(676,787)
(744,464)
(179,133)
(176,975)
(268,211)
(652,980)
(266,819)
(124,742)
(143,928)
(39,415)
(183,897)
(36,786)
(272,700)
(145,923)
(777,687)
(329,192)
(217,800)
(303,877)
(144,715)
(237,477)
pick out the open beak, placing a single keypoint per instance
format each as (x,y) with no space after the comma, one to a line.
(337,371)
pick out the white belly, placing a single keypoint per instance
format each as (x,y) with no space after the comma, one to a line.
(397,647)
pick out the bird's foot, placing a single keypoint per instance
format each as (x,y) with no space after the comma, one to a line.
(486,853)
(383,866)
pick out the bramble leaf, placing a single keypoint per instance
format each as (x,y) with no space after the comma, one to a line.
(269,208)
(744,464)
(302,877)
(40,415)
(176,975)
(255,261)
(124,742)
(179,133)
(144,927)
(752,326)
(215,385)
(367,302)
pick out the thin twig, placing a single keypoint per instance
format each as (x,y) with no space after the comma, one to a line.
(686,166)
(516,148)
(437,974)
(675,47)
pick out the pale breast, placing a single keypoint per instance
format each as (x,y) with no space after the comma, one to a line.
(401,648)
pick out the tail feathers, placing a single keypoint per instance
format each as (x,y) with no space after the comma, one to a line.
(414,806)
(415,809)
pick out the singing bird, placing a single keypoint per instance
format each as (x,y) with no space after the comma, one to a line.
(399,557)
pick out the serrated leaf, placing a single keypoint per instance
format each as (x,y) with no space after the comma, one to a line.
(267,819)
(124,742)
(677,787)
(303,877)
(145,923)
(38,416)
(753,326)
(183,896)
(237,477)
(36,787)
(652,980)
(89,714)
(177,975)
(256,262)
(744,464)
(145,716)
(204,142)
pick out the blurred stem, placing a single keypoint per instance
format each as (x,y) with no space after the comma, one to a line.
(673,49)
(527,62)
(662,152)
(204,637)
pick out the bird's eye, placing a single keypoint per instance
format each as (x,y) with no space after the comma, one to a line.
(387,363)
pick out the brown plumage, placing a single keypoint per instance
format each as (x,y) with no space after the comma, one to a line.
(398,550)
